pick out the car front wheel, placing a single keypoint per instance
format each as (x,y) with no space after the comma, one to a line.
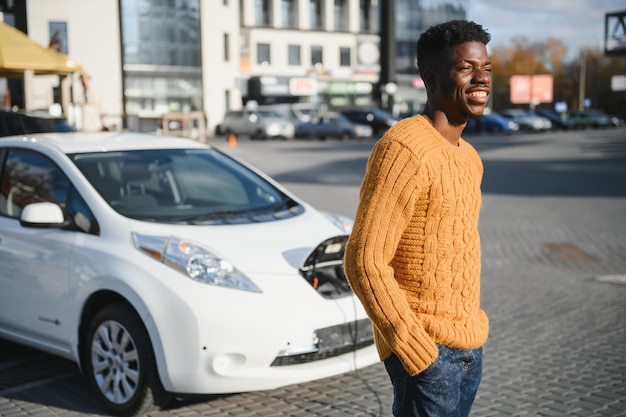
(119,362)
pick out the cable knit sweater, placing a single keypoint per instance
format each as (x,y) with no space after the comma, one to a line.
(413,257)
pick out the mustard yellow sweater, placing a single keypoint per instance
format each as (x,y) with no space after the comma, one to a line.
(413,257)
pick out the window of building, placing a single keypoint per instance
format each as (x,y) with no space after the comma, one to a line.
(406,57)
(316,14)
(263,53)
(317,55)
(368,16)
(344,57)
(341,15)
(226,47)
(294,56)
(263,13)
(289,14)
(161,52)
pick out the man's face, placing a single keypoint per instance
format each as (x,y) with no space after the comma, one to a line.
(463,82)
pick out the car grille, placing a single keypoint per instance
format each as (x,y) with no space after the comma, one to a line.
(323,269)
(333,341)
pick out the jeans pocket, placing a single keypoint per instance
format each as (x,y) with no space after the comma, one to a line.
(399,394)
(435,368)
(399,378)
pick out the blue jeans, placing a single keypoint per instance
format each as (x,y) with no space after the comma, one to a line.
(446,389)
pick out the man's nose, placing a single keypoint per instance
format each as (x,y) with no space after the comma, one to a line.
(482,76)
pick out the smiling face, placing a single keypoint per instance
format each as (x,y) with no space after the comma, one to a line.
(461,84)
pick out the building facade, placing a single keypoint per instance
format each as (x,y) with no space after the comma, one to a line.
(412,18)
(145,58)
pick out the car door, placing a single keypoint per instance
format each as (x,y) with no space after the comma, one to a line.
(251,122)
(34,277)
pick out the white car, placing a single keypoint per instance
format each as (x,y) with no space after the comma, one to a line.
(257,124)
(528,120)
(162,266)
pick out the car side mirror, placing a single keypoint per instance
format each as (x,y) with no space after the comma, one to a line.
(42,215)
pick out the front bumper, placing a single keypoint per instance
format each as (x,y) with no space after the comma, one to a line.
(213,344)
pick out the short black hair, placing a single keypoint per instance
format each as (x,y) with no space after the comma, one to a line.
(438,40)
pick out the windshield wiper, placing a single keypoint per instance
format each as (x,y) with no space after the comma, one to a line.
(210,216)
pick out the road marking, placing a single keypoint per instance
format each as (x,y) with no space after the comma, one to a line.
(567,252)
(614,278)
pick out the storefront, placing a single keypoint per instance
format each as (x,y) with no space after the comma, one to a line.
(277,89)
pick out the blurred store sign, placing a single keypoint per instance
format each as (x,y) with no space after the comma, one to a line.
(531,89)
(303,86)
(618,83)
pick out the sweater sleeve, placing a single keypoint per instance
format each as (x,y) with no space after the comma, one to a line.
(389,190)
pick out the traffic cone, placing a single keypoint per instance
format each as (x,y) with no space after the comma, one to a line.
(232,140)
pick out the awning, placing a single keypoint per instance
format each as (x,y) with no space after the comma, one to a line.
(18,53)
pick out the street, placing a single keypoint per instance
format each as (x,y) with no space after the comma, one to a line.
(553,230)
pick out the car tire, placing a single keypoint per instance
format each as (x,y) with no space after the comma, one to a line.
(258,135)
(119,362)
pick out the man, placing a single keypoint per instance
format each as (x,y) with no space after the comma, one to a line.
(413,257)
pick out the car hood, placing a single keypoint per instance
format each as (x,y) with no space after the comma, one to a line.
(275,247)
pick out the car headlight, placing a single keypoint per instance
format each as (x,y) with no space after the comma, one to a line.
(344,223)
(194,261)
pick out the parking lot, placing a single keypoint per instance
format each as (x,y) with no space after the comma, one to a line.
(553,229)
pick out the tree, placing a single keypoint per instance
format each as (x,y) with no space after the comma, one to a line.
(549,57)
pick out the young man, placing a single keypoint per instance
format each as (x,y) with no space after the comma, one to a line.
(413,257)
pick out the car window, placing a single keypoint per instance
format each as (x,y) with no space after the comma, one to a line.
(268,113)
(182,185)
(29,177)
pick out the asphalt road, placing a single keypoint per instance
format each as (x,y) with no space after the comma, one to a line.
(553,229)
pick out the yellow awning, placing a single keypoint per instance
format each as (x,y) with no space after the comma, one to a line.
(19,53)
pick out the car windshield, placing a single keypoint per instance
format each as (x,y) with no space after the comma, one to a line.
(188,186)
(268,113)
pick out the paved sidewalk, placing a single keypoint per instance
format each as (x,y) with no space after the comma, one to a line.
(553,231)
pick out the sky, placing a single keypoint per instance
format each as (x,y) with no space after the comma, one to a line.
(577,23)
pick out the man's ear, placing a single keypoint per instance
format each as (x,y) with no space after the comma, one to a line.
(429,78)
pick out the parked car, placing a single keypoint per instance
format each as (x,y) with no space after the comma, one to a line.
(257,124)
(527,120)
(20,123)
(162,265)
(333,125)
(558,121)
(491,123)
(301,112)
(584,119)
(616,121)
(380,120)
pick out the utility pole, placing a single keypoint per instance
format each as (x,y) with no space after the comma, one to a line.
(387,54)
(581,81)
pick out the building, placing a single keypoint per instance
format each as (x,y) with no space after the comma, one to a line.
(145,58)
(413,17)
